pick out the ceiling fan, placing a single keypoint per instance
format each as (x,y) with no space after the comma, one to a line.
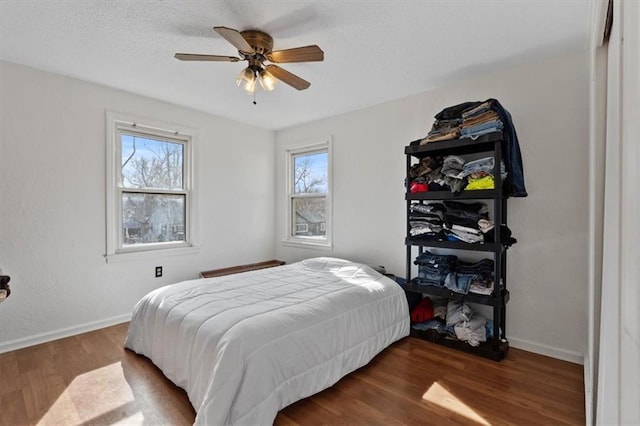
(255,47)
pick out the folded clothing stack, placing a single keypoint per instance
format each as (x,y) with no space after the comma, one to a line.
(443,130)
(480,173)
(453,319)
(455,221)
(471,277)
(474,119)
(433,269)
(466,120)
(479,120)
(447,271)
(426,220)
(453,173)
(467,222)
(447,123)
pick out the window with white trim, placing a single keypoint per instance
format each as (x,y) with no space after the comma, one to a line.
(309,195)
(149,185)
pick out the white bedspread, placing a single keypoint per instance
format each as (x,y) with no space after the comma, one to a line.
(245,346)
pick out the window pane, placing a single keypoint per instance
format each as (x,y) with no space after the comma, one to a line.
(152,218)
(150,163)
(310,173)
(310,216)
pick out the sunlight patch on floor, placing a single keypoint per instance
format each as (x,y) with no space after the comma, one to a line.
(438,395)
(101,396)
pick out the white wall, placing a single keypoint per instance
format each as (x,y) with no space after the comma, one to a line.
(52,198)
(547,268)
(52,204)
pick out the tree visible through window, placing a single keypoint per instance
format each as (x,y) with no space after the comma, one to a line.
(153,198)
(308,193)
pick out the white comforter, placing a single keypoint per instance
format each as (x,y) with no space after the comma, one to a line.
(245,346)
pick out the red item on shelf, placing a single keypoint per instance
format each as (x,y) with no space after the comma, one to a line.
(423,312)
(418,187)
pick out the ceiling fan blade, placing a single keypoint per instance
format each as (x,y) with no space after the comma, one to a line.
(287,77)
(198,57)
(234,37)
(298,54)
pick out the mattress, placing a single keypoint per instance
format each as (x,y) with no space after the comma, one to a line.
(245,346)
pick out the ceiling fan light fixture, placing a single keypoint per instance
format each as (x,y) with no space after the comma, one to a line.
(267,80)
(247,80)
(256,47)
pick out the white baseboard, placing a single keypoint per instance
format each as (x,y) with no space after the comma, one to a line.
(37,339)
(563,354)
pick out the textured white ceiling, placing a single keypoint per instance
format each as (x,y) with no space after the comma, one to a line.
(375,51)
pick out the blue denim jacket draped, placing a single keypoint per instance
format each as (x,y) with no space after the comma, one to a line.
(514,183)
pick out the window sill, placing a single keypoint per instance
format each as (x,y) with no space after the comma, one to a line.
(131,256)
(314,245)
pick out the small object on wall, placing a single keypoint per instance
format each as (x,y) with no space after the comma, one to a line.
(5,290)
(158,271)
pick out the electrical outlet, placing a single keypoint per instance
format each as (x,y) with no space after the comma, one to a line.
(158,271)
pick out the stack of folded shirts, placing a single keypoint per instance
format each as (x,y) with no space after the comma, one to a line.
(425,224)
(479,173)
(466,234)
(476,277)
(443,130)
(480,120)
(451,220)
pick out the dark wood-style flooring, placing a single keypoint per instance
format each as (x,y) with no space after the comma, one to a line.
(90,379)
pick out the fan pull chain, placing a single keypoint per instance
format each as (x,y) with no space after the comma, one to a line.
(254,97)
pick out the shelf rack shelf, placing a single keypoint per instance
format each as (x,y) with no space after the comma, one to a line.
(497,345)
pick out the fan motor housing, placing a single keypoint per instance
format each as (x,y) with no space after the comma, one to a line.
(261,42)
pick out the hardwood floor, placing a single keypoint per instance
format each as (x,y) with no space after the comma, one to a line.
(90,379)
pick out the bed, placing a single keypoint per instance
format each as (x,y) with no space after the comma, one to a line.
(245,346)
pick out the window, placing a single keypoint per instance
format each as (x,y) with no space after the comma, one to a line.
(149,199)
(309,188)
